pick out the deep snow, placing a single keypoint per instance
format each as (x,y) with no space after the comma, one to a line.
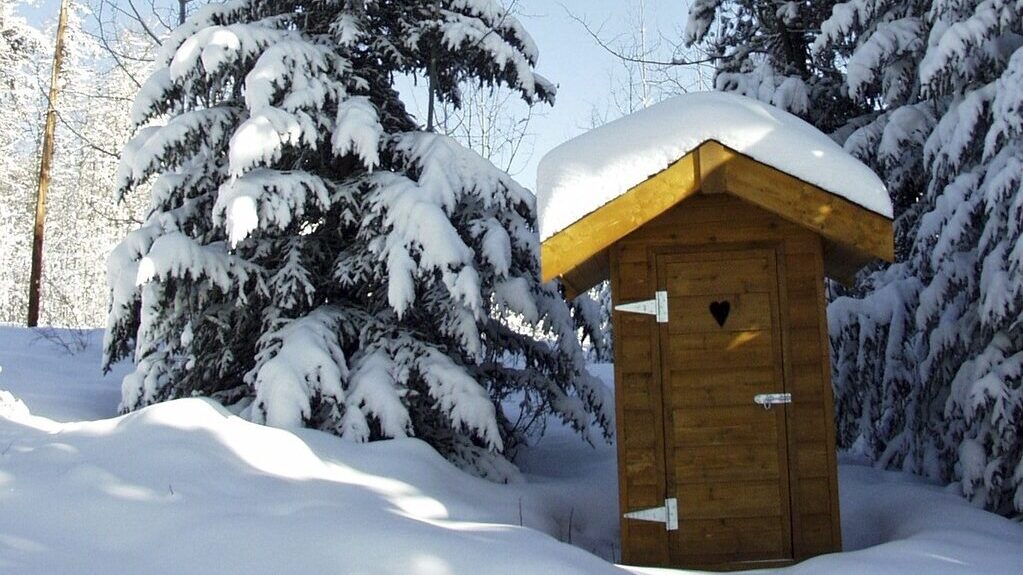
(186,487)
(594,168)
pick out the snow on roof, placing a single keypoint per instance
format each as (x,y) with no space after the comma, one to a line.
(592,169)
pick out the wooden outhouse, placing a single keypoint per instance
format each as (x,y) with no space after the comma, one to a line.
(726,442)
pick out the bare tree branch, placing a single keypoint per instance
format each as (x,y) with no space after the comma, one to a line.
(595,34)
(142,22)
(113,54)
(156,14)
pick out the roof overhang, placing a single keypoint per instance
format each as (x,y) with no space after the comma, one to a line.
(853,235)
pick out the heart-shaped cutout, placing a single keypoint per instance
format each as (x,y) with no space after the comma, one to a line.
(720,311)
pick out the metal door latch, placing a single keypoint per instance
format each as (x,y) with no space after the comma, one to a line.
(667,514)
(656,307)
(769,399)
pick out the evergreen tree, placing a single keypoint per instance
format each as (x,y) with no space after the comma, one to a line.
(949,141)
(313,257)
(762,50)
(929,351)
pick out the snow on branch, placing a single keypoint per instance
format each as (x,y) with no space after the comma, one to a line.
(265,198)
(175,255)
(187,135)
(358,131)
(298,362)
(459,396)
(219,47)
(873,56)
(260,140)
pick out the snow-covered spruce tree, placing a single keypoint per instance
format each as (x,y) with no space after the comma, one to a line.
(762,50)
(927,351)
(949,76)
(491,123)
(314,258)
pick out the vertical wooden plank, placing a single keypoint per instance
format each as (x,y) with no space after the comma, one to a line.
(665,379)
(640,460)
(659,422)
(623,485)
(829,403)
(813,409)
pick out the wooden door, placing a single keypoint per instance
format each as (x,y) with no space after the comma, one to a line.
(726,458)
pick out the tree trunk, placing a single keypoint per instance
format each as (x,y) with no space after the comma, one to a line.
(430,108)
(45,161)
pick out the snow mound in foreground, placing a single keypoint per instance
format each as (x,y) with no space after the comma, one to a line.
(11,407)
(594,168)
(186,487)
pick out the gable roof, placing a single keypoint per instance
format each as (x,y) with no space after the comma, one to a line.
(586,172)
(853,235)
(597,188)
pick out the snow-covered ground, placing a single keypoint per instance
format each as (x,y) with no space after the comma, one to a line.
(185,487)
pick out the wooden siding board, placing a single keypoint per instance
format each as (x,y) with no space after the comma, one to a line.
(812,460)
(713,540)
(828,402)
(730,499)
(721,386)
(747,311)
(739,462)
(729,425)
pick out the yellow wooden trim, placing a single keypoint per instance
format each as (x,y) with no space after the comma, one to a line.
(714,168)
(830,215)
(614,220)
(713,158)
(571,292)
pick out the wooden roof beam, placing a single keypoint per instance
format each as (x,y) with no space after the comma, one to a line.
(832,216)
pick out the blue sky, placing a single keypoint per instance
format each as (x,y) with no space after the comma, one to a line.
(572,59)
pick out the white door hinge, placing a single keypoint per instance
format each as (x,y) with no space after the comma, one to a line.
(657,307)
(667,514)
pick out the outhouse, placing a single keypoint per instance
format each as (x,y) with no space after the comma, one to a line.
(716,219)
